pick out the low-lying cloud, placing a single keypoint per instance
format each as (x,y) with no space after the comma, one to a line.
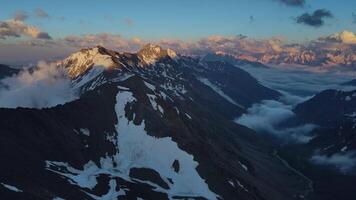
(267,117)
(315,19)
(45,86)
(296,87)
(300,82)
(345,162)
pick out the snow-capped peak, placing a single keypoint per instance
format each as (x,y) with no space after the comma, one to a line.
(79,62)
(150,53)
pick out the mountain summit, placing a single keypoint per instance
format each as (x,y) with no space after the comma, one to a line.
(79,62)
(150,53)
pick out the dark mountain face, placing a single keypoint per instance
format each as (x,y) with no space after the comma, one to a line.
(329,158)
(6,71)
(335,112)
(328,107)
(145,126)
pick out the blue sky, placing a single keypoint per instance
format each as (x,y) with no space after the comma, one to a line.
(183,19)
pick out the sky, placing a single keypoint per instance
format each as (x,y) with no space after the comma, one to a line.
(188,20)
(184,19)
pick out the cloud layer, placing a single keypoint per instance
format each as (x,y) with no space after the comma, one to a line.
(345,162)
(46,86)
(337,49)
(267,117)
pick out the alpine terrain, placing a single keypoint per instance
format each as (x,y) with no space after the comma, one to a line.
(147,125)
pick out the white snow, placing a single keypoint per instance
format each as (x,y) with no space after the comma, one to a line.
(344,148)
(177,110)
(186,114)
(81,61)
(218,90)
(112,193)
(85,178)
(150,86)
(165,96)
(154,104)
(58,198)
(177,89)
(172,54)
(231,183)
(85,131)
(12,188)
(137,149)
(87,77)
(242,186)
(243,166)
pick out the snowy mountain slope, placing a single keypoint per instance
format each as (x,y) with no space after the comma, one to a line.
(144,130)
(170,71)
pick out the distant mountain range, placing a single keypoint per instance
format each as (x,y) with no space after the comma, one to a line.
(335,51)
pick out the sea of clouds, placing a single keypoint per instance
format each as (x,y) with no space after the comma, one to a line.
(296,86)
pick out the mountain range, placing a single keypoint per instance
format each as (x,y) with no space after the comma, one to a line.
(147,125)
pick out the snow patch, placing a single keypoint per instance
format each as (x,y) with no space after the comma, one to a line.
(154,104)
(85,131)
(140,150)
(186,114)
(218,90)
(137,149)
(150,86)
(12,188)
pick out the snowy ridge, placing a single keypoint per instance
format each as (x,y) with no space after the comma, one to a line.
(80,62)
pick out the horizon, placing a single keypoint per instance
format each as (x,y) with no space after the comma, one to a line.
(178,99)
(33,29)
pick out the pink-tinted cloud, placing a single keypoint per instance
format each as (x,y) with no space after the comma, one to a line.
(17,28)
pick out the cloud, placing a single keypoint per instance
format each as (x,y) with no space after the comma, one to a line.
(346,37)
(111,41)
(46,86)
(267,117)
(20,15)
(41,13)
(303,82)
(321,53)
(345,162)
(252,19)
(316,19)
(17,28)
(295,3)
(129,21)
